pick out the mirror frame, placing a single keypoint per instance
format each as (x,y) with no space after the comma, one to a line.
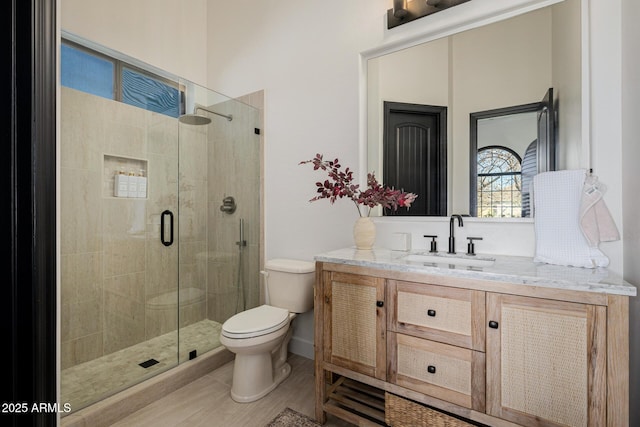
(470,15)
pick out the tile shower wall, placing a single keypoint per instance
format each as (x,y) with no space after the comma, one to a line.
(234,164)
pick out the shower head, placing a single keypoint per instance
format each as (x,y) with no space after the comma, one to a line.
(194,119)
(199,119)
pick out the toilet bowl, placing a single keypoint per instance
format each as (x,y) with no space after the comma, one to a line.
(259,337)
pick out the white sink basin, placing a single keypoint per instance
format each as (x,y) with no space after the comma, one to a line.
(457,260)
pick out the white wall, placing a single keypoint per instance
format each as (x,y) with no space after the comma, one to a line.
(515,131)
(631,178)
(168,34)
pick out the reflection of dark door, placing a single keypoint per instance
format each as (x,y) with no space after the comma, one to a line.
(415,155)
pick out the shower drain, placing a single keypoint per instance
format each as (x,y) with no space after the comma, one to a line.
(148,363)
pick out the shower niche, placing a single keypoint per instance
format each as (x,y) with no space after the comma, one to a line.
(125,177)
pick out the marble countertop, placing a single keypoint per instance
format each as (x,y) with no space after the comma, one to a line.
(503,268)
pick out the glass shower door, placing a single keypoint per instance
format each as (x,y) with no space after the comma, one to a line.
(119,271)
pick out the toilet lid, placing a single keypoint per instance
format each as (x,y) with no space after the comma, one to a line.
(255,322)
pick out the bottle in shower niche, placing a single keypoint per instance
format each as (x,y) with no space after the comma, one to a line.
(133,184)
(121,184)
(142,184)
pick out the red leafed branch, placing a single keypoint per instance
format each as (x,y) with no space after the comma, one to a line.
(340,184)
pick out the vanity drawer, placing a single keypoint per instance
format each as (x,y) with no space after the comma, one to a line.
(446,372)
(439,313)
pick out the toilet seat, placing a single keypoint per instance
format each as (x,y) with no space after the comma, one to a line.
(255,322)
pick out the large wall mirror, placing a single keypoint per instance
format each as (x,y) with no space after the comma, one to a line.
(467,77)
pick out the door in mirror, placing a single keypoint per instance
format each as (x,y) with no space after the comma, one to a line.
(415,156)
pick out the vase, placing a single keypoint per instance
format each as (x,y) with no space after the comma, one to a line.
(364,233)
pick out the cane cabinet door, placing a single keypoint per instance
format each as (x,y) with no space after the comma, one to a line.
(355,323)
(546,361)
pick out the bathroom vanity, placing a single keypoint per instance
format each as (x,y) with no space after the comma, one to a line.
(500,341)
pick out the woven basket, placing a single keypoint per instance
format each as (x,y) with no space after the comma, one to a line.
(401,412)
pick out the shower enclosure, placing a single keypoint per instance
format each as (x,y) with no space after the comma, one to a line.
(153,261)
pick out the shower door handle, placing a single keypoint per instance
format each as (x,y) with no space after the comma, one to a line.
(163,227)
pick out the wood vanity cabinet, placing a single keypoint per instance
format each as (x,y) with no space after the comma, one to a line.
(355,323)
(546,361)
(487,352)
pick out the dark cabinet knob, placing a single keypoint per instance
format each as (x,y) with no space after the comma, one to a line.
(380,303)
(493,324)
(431,313)
(431,369)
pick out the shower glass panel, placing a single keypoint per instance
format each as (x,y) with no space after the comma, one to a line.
(151,266)
(219,159)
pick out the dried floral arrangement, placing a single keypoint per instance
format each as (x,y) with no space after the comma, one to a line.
(340,184)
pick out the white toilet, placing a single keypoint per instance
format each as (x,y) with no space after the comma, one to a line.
(259,337)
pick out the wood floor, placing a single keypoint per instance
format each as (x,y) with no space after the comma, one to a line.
(207,402)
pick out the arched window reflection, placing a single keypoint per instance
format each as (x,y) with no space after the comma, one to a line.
(499,183)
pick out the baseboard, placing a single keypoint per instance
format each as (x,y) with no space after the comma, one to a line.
(301,347)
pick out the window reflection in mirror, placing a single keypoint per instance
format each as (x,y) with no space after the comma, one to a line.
(505,147)
(499,183)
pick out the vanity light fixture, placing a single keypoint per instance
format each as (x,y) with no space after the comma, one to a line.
(400,8)
(404,11)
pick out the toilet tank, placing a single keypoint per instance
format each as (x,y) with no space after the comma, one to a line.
(289,284)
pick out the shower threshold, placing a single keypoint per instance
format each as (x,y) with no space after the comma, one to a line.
(89,382)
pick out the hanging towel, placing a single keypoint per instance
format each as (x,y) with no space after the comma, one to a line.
(595,219)
(559,239)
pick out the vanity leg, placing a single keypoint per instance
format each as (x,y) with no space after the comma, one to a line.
(318,303)
(321,416)
(617,361)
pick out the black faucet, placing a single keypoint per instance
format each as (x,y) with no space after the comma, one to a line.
(452,240)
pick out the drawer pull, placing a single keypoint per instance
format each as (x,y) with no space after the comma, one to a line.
(431,369)
(380,303)
(431,313)
(493,324)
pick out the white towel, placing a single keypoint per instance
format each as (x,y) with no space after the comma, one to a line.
(559,238)
(596,222)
